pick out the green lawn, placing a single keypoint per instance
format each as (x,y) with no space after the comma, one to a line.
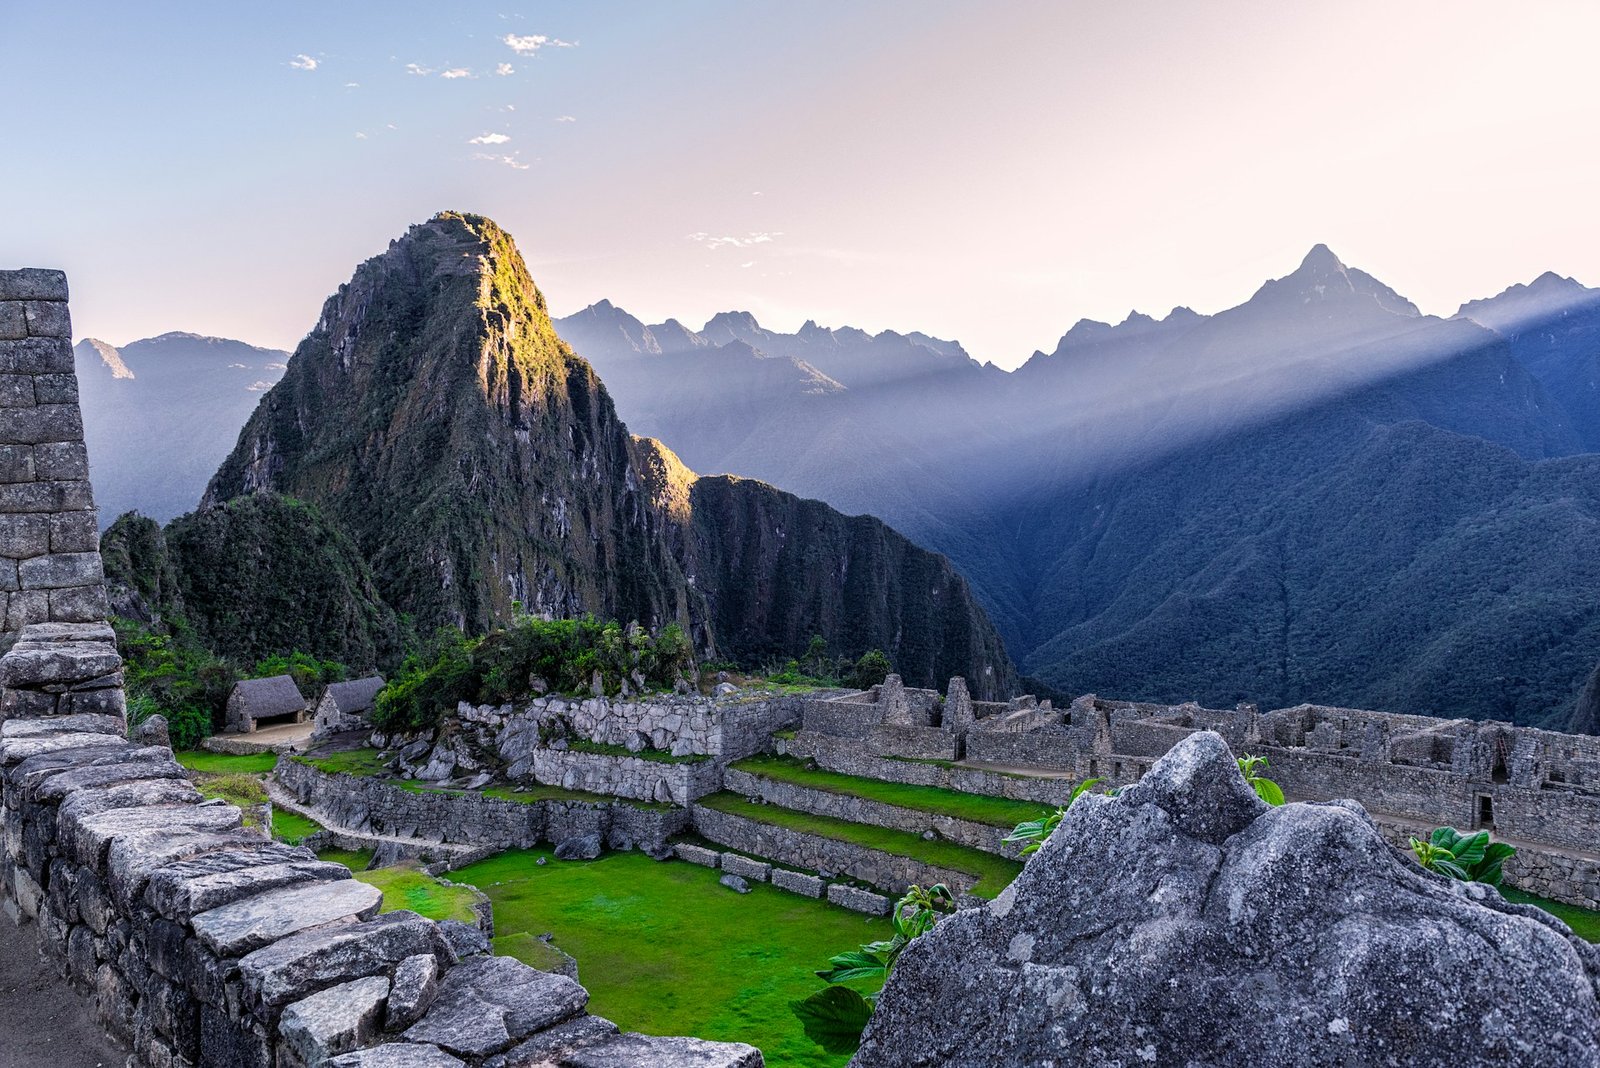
(354,859)
(1585,923)
(291,828)
(665,950)
(995,873)
(350,761)
(405,886)
(227,763)
(979,808)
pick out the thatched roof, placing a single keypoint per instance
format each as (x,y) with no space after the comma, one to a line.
(356,696)
(275,696)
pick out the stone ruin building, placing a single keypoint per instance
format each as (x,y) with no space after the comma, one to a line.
(347,705)
(1538,789)
(200,941)
(269,701)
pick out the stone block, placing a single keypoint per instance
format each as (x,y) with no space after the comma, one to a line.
(858,900)
(53,496)
(54,571)
(335,1020)
(487,1003)
(16,391)
(36,356)
(55,389)
(97,631)
(16,464)
(48,318)
(398,1055)
(24,535)
(65,461)
(27,704)
(649,1051)
(706,858)
(29,606)
(79,604)
(754,870)
(13,323)
(33,283)
(110,702)
(8,575)
(415,985)
(183,888)
(44,422)
(33,664)
(292,967)
(797,882)
(250,923)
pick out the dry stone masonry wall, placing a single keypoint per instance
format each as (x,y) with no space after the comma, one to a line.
(49,541)
(199,941)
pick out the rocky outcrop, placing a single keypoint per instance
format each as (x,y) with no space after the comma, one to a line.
(434,416)
(1185,922)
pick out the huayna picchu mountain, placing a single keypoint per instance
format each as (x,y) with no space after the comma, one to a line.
(435,418)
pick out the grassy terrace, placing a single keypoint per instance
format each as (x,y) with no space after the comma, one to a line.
(659,756)
(665,950)
(993,873)
(227,763)
(368,763)
(935,800)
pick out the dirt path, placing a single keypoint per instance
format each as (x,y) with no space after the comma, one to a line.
(44,1023)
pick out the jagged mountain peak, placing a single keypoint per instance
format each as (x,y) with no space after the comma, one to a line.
(1549,296)
(1324,287)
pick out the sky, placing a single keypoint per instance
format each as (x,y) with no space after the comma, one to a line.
(985,171)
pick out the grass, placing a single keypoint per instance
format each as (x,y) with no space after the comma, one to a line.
(1585,923)
(665,950)
(659,756)
(405,886)
(532,951)
(348,761)
(227,763)
(936,800)
(291,828)
(994,873)
(354,859)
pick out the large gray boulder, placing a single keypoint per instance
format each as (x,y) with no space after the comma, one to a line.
(1184,922)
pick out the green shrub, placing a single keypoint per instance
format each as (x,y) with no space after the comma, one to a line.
(870,670)
(1471,858)
(311,675)
(174,676)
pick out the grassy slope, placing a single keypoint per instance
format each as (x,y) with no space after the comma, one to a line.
(665,950)
(994,811)
(995,873)
(1585,923)
(227,763)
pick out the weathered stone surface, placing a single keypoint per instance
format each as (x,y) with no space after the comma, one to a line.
(853,897)
(74,532)
(79,603)
(33,283)
(47,318)
(151,731)
(16,465)
(582,847)
(41,423)
(415,984)
(1296,937)
(88,838)
(487,1003)
(178,891)
(69,632)
(706,858)
(79,724)
(398,1055)
(648,1051)
(335,1020)
(13,323)
(797,882)
(16,391)
(292,967)
(249,923)
(754,870)
(42,663)
(549,1046)
(735,883)
(36,355)
(464,939)
(59,389)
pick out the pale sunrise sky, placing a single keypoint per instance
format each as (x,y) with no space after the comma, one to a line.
(990,171)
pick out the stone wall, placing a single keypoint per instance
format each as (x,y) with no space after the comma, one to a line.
(633,777)
(201,942)
(801,849)
(876,813)
(49,540)
(847,757)
(371,806)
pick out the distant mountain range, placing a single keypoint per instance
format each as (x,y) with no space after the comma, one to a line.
(1320,494)
(161,413)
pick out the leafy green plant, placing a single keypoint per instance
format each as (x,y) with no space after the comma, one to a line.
(311,675)
(835,1017)
(1035,832)
(173,675)
(1265,788)
(1471,858)
(870,670)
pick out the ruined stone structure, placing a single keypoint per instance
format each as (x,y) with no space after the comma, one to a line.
(202,942)
(346,705)
(271,700)
(49,541)
(1538,789)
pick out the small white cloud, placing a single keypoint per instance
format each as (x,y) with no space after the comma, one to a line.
(257,387)
(756,194)
(240,366)
(413,68)
(303,62)
(528,44)
(504,69)
(510,161)
(277,367)
(352,85)
(748,263)
(754,237)
(489,139)
(360,136)
(566,118)
(390,126)
(456,72)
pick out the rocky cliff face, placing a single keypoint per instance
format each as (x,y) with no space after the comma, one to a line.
(434,416)
(1185,922)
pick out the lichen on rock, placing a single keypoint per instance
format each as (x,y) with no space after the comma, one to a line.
(1185,922)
